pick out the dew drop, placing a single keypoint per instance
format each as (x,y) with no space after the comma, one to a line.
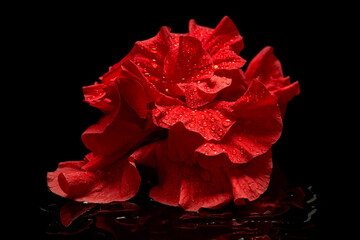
(226,122)
(153,50)
(215,66)
(204,124)
(233,152)
(220,133)
(154,65)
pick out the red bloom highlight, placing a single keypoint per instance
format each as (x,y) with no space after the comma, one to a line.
(182,105)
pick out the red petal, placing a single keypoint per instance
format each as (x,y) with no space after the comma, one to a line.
(224,43)
(211,121)
(258,126)
(266,68)
(104,97)
(250,180)
(182,144)
(217,160)
(135,95)
(200,32)
(132,71)
(200,93)
(285,94)
(189,186)
(168,190)
(202,188)
(149,56)
(224,36)
(146,155)
(117,182)
(186,64)
(136,89)
(238,86)
(228,60)
(121,130)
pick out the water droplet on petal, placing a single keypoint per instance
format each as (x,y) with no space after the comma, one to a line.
(154,65)
(153,50)
(226,122)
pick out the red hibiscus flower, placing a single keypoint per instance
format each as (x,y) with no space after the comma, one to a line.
(221,122)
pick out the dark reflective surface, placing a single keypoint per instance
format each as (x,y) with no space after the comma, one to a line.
(283,212)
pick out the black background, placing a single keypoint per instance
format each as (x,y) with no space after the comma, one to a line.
(74,45)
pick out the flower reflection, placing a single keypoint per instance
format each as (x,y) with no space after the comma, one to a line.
(283,212)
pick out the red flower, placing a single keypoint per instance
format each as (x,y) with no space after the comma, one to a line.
(221,122)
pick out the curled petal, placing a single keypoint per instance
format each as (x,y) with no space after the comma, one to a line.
(101,96)
(285,94)
(198,94)
(168,189)
(250,180)
(188,63)
(149,56)
(258,126)
(227,59)
(211,122)
(223,43)
(117,182)
(135,88)
(189,186)
(202,188)
(119,130)
(224,36)
(238,86)
(182,144)
(266,68)
(146,155)
(200,32)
